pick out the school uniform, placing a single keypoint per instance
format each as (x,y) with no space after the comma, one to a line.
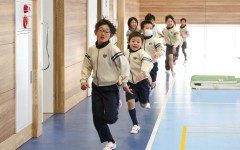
(140,63)
(171,39)
(152,44)
(106,63)
(184,32)
(156,32)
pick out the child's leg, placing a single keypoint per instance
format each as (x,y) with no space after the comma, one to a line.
(168,51)
(170,61)
(132,111)
(184,46)
(153,74)
(105,110)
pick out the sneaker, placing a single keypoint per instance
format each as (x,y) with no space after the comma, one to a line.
(110,146)
(173,74)
(167,71)
(185,61)
(153,85)
(148,106)
(135,129)
(120,104)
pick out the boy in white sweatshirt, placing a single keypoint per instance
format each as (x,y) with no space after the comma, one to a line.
(107,64)
(184,32)
(140,66)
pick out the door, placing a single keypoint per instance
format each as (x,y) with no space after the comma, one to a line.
(47,57)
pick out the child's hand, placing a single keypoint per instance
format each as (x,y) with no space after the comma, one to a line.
(150,80)
(84,86)
(155,55)
(139,77)
(127,89)
(174,50)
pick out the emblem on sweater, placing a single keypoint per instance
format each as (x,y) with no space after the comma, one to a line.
(104,55)
(150,43)
(134,58)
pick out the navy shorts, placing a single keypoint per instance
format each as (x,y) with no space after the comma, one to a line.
(140,91)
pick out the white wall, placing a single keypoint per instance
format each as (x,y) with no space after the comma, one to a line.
(47,88)
(92,20)
(23,67)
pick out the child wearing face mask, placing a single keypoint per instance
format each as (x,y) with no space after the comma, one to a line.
(156,32)
(153,47)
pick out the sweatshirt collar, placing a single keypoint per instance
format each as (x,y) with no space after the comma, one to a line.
(170,27)
(132,51)
(183,26)
(102,45)
(147,37)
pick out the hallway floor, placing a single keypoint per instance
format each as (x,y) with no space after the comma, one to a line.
(179,118)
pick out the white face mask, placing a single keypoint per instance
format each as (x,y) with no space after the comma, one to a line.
(148,32)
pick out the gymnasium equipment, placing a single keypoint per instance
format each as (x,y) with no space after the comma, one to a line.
(215,82)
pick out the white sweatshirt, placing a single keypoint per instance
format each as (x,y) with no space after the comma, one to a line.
(140,64)
(184,32)
(151,45)
(108,65)
(172,37)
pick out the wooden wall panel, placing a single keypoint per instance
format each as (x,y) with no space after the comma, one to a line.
(75,48)
(132,9)
(59,56)
(196,11)
(7,114)
(193,10)
(7,68)
(75,23)
(75,12)
(221,11)
(72,80)
(7,25)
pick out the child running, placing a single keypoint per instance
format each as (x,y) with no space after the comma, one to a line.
(132,26)
(153,47)
(140,66)
(184,32)
(106,63)
(172,40)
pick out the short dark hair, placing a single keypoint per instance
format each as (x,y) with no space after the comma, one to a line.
(130,19)
(135,34)
(169,17)
(106,22)
(143,23)
(150,17)
(183,19)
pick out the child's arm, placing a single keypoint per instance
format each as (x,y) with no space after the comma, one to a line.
(86,72)
(159,50)
(122,64)
(146,66)
(177,38)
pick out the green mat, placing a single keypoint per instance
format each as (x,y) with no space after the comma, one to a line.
(215,82)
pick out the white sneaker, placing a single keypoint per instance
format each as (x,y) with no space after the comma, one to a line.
(173,74)
(120,104)
(135,129)
(148,106)
(185,61)
(110,146)
(167,71)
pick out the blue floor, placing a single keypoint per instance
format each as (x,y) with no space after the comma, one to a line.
(179,118)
